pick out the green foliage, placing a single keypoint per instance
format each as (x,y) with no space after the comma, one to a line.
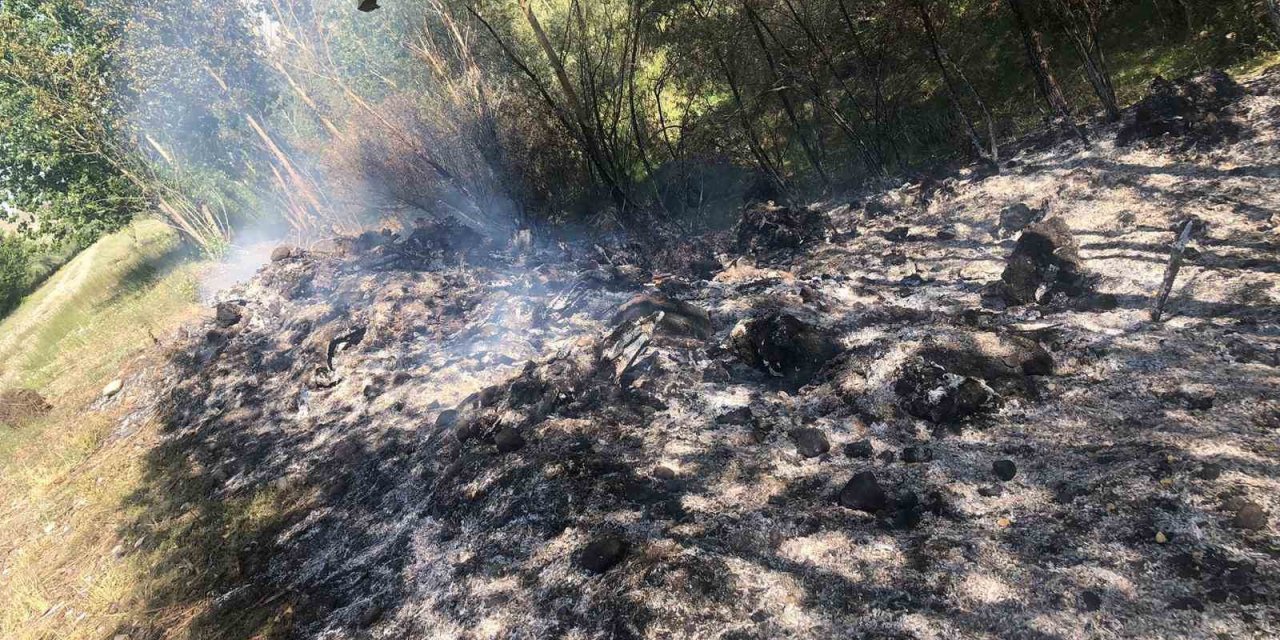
(59,120)
(15,262)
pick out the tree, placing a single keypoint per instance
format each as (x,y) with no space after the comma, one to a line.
(59,121)
(1038,60)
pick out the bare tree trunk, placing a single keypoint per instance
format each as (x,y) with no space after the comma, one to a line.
(987,155)
(871,157)
(783,97)
(1081,22)
(589,133)
(1273,15)
(1039,61)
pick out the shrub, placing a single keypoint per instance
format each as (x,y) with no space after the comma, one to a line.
(15,262)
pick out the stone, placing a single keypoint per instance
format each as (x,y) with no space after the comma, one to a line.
(1209,471)
(897,234)
(917,454)
(282,253)
(509,440)
(930,392)
(863,493)
(1045,263)
(112,388)
(860,449)
(810,442)
(1250,516)
(741,416)
(1004,469)
(1187,603)
(602,554)
(227,315)
(784,346)
(991,491)
(1016,217)
(664,473)
(1090,600)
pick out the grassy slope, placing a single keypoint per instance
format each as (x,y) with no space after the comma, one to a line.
(62,479)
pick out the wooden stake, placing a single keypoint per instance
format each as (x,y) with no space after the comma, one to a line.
(1171,272)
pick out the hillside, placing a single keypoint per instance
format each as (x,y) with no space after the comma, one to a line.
(943,410)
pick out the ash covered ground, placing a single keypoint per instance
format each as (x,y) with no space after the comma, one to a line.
(937,411)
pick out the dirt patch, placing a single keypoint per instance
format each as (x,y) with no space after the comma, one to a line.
(20,406)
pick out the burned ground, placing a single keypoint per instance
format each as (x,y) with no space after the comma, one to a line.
(489,448)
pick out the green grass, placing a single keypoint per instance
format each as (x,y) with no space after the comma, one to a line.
(63,478)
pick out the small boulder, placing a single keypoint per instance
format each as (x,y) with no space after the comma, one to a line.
(1250,516)
(509,440)
(227,315)
(810,442)
(930,392)
(859,449)
(784,346)
(282,253)
(114,387)
(1045,263)
(917,455)
(1016,217)
(1005,470)
(602,554)
(863,493)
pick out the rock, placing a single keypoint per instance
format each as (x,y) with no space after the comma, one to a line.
(784,346)
(863,493)
(1250,516)
(948,233)
(112,388)
(859,449)
(282,253)
(741,416)
(1045,263)
(1190,104)
(447,418)
(602,554)
(991,491)
(227,315)
(995,358)
(1090,600)
(887,456)
(509,440)
(897,234)
(1016,217)
(1196,398)
(1187,603)
(930,392)
(679,318)
(767,227)
(664,473)
(1004,469)
(810,442)
(916,455)
(1210,471)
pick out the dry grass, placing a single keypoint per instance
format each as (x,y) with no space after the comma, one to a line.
(65,572)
